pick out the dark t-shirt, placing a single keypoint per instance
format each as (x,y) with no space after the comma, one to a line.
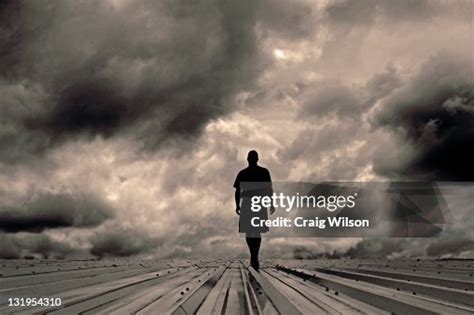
(252,181)
(252,174)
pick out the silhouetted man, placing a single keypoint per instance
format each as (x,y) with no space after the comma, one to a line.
(251,181)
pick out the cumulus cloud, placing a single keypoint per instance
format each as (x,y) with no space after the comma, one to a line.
(306,248)
(457,247)
(14,246)
(450,247)
(446,247)
(122,242)
(335,141)
(334,97)
(375,248)
(49,211)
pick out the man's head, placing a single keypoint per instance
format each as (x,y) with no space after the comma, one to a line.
(252,157)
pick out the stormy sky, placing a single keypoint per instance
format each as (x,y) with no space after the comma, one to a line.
(124,122)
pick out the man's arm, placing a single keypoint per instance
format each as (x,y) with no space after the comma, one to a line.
(237,193)
(270,190)
(237,200)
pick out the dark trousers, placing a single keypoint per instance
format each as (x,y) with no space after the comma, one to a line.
(254,247)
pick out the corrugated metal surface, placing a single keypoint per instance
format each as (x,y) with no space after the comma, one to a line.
(216,287)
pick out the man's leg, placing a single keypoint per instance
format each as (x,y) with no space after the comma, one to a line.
(254,247)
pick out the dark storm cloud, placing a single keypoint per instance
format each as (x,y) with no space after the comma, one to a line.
(290,20)
(14,246)
(362,32)
(434,115)
(351,12)
(50,211)
(156,69)
(363,12)
(122,242)
(9,10)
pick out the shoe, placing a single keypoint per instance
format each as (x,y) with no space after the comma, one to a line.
(255,265)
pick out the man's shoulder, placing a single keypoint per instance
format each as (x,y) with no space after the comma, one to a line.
(251,171)
(242,171)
